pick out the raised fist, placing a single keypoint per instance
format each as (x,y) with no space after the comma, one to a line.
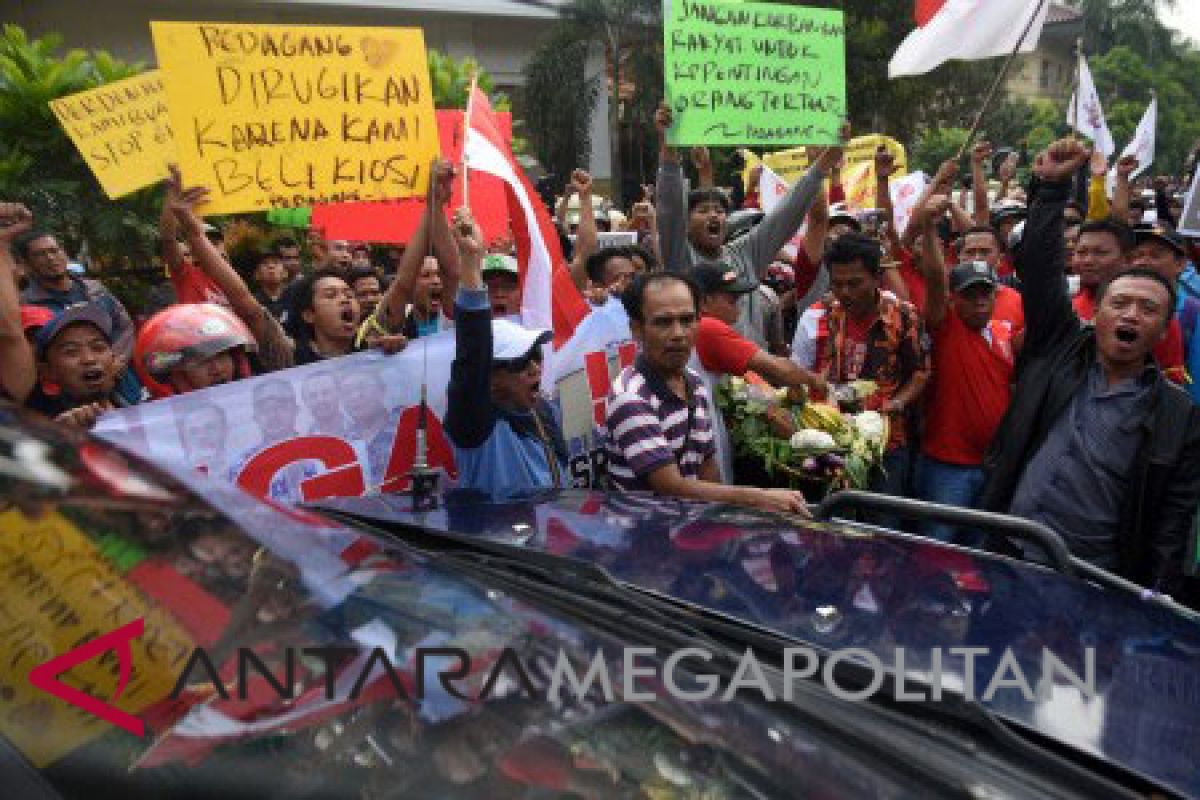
(1061,160)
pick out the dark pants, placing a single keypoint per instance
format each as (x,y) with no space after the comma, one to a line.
(894,479)
(950,485)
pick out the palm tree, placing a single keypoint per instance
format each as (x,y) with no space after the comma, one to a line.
(616,26)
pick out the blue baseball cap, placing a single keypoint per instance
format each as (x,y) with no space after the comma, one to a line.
(90,313)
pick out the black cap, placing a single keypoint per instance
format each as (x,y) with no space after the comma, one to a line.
(1005,213)
(1160,233)
(969,273)
(713,278)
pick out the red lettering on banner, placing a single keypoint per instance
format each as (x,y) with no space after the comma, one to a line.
(404,449)
(595,366)
(344,477)
(626,353)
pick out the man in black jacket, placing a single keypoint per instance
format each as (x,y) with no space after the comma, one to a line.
(1097,444)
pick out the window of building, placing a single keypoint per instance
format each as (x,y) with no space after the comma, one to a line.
(1044,78)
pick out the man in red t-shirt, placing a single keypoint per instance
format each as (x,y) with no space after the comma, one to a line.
(969,391)
(724,351)
(1104,250)
(191,284)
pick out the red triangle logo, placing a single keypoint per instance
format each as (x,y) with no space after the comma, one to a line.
(45,676)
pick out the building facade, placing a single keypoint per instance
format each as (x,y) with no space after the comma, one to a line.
(1048,73)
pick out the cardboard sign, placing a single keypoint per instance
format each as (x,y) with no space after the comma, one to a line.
(281,116)
(752,73)
(791,164)
(122,130)
(395,221)
(47,594)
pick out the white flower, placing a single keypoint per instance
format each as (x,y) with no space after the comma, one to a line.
(756,407)
(809,439)
(869,425)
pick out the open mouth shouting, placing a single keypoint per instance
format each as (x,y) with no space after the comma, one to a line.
(713,227)
(1126,334)
(349,319)
(93,377)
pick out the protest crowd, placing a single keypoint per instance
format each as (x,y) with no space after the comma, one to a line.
(1034,350)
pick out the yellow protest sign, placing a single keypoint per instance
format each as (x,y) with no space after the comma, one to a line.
(791,164)
(281,116)
(122,130)
(56,592)
(858,169)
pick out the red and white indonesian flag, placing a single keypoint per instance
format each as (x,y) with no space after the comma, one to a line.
(967,30)
(1085,114)
(549,299)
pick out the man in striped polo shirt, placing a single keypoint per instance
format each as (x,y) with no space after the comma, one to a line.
(658,433)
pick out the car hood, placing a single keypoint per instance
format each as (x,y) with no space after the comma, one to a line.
(838,586)
(142,613)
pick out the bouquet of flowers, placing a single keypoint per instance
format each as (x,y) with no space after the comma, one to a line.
(800,442)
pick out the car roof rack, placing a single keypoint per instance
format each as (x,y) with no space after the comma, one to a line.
(1058,556)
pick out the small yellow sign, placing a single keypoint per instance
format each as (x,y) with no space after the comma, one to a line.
(282,116)
(122,130)
(56,593)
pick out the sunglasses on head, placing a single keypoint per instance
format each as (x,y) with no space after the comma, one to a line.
(519,365)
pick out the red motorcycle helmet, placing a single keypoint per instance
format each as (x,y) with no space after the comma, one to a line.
(187,334)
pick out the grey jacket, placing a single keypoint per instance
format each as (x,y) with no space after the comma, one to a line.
(749,255)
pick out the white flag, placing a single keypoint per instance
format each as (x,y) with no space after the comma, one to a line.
(905,193)
(969,30)
(1085,114)
(1140,147)
(771,189)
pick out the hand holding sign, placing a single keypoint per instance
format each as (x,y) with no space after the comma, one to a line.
(663,120)
(830,157)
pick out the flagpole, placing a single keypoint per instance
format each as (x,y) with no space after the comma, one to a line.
(1074,110)
(987,100)
(466,190)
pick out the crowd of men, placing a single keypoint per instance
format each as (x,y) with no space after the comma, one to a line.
(1033,347)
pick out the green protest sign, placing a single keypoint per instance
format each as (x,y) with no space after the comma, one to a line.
(754,74)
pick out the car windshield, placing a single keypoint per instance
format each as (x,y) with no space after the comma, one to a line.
(848,588)
(273,654)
